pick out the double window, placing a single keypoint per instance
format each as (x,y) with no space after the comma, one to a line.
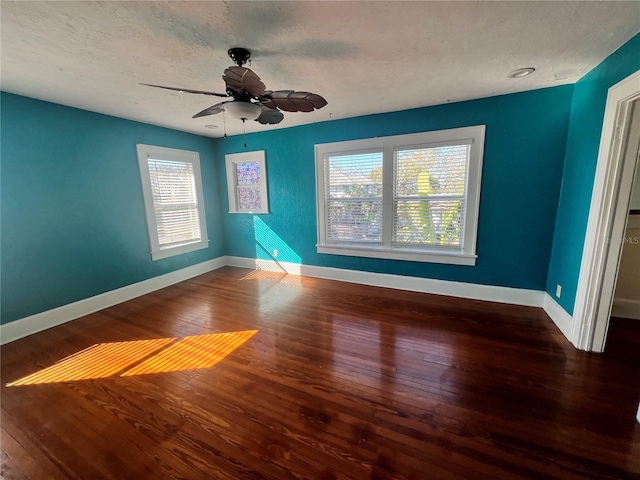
(408,197)
(174,205)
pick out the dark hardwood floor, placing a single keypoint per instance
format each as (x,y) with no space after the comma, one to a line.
(340,381)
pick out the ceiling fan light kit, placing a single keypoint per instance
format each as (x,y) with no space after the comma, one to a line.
(243,110)
(249,98)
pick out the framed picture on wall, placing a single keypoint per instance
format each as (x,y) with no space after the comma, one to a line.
(247,182)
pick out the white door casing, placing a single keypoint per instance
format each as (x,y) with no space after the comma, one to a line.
(608,213)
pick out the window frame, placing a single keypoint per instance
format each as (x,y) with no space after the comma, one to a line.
(474,135)
(145,152)
(231,160)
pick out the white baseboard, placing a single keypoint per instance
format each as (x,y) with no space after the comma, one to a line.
(559,315)
(516,296)
(41,321)
(625,308)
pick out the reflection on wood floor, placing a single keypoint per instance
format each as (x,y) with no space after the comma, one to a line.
(325,380)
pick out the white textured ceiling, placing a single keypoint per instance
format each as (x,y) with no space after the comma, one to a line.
(363,57)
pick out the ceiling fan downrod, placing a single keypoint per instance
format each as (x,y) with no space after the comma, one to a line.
(239,55)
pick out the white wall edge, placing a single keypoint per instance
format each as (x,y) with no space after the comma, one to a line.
(515,296)
(626,308)
(41,321)
(558,315)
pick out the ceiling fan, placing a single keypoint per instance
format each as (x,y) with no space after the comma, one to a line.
(250,99)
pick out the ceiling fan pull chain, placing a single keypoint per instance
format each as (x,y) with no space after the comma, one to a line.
(244,127)
(224,124)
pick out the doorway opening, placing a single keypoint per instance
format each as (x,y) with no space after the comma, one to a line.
(609,213)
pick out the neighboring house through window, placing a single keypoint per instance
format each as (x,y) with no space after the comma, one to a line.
(408,197)
(174,204)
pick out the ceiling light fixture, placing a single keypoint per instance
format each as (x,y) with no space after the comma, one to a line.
(243,110)
(521,72)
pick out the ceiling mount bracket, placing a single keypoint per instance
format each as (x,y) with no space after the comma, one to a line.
(239,55)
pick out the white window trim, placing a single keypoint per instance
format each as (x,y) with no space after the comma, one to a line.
(231,161)
(388,145)
(162,153)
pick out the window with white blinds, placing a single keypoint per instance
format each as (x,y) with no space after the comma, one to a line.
(353,186)
(409,197)
(429,187)
(174,205)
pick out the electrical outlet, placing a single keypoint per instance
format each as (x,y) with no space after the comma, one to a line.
(275,253)
(558,290)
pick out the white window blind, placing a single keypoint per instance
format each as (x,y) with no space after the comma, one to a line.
(174,201)
(353,192)
(409,197)
(430,196)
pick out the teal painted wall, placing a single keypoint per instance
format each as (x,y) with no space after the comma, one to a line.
(524,153)
(72,212)
(73,222)
(583,142)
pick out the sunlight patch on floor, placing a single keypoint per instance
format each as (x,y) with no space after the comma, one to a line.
(98,361)
(285,278)
(199,351)
(140,357)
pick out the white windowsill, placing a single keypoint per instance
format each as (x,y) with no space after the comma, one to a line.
(400,254)
(179,249)
(251,212)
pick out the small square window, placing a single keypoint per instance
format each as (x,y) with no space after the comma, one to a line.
(247,182)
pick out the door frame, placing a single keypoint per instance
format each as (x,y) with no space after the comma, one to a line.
(607,217)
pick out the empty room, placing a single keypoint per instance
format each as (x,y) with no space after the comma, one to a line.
(319,240)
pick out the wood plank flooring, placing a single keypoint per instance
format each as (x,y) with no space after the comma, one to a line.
(340,381)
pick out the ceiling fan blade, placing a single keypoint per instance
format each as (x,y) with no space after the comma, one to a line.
(269,116)
(212,110)
(243,79)
(266,99)
(299,99)
(279,99)
(313,99)
(291,101)
(187,90)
